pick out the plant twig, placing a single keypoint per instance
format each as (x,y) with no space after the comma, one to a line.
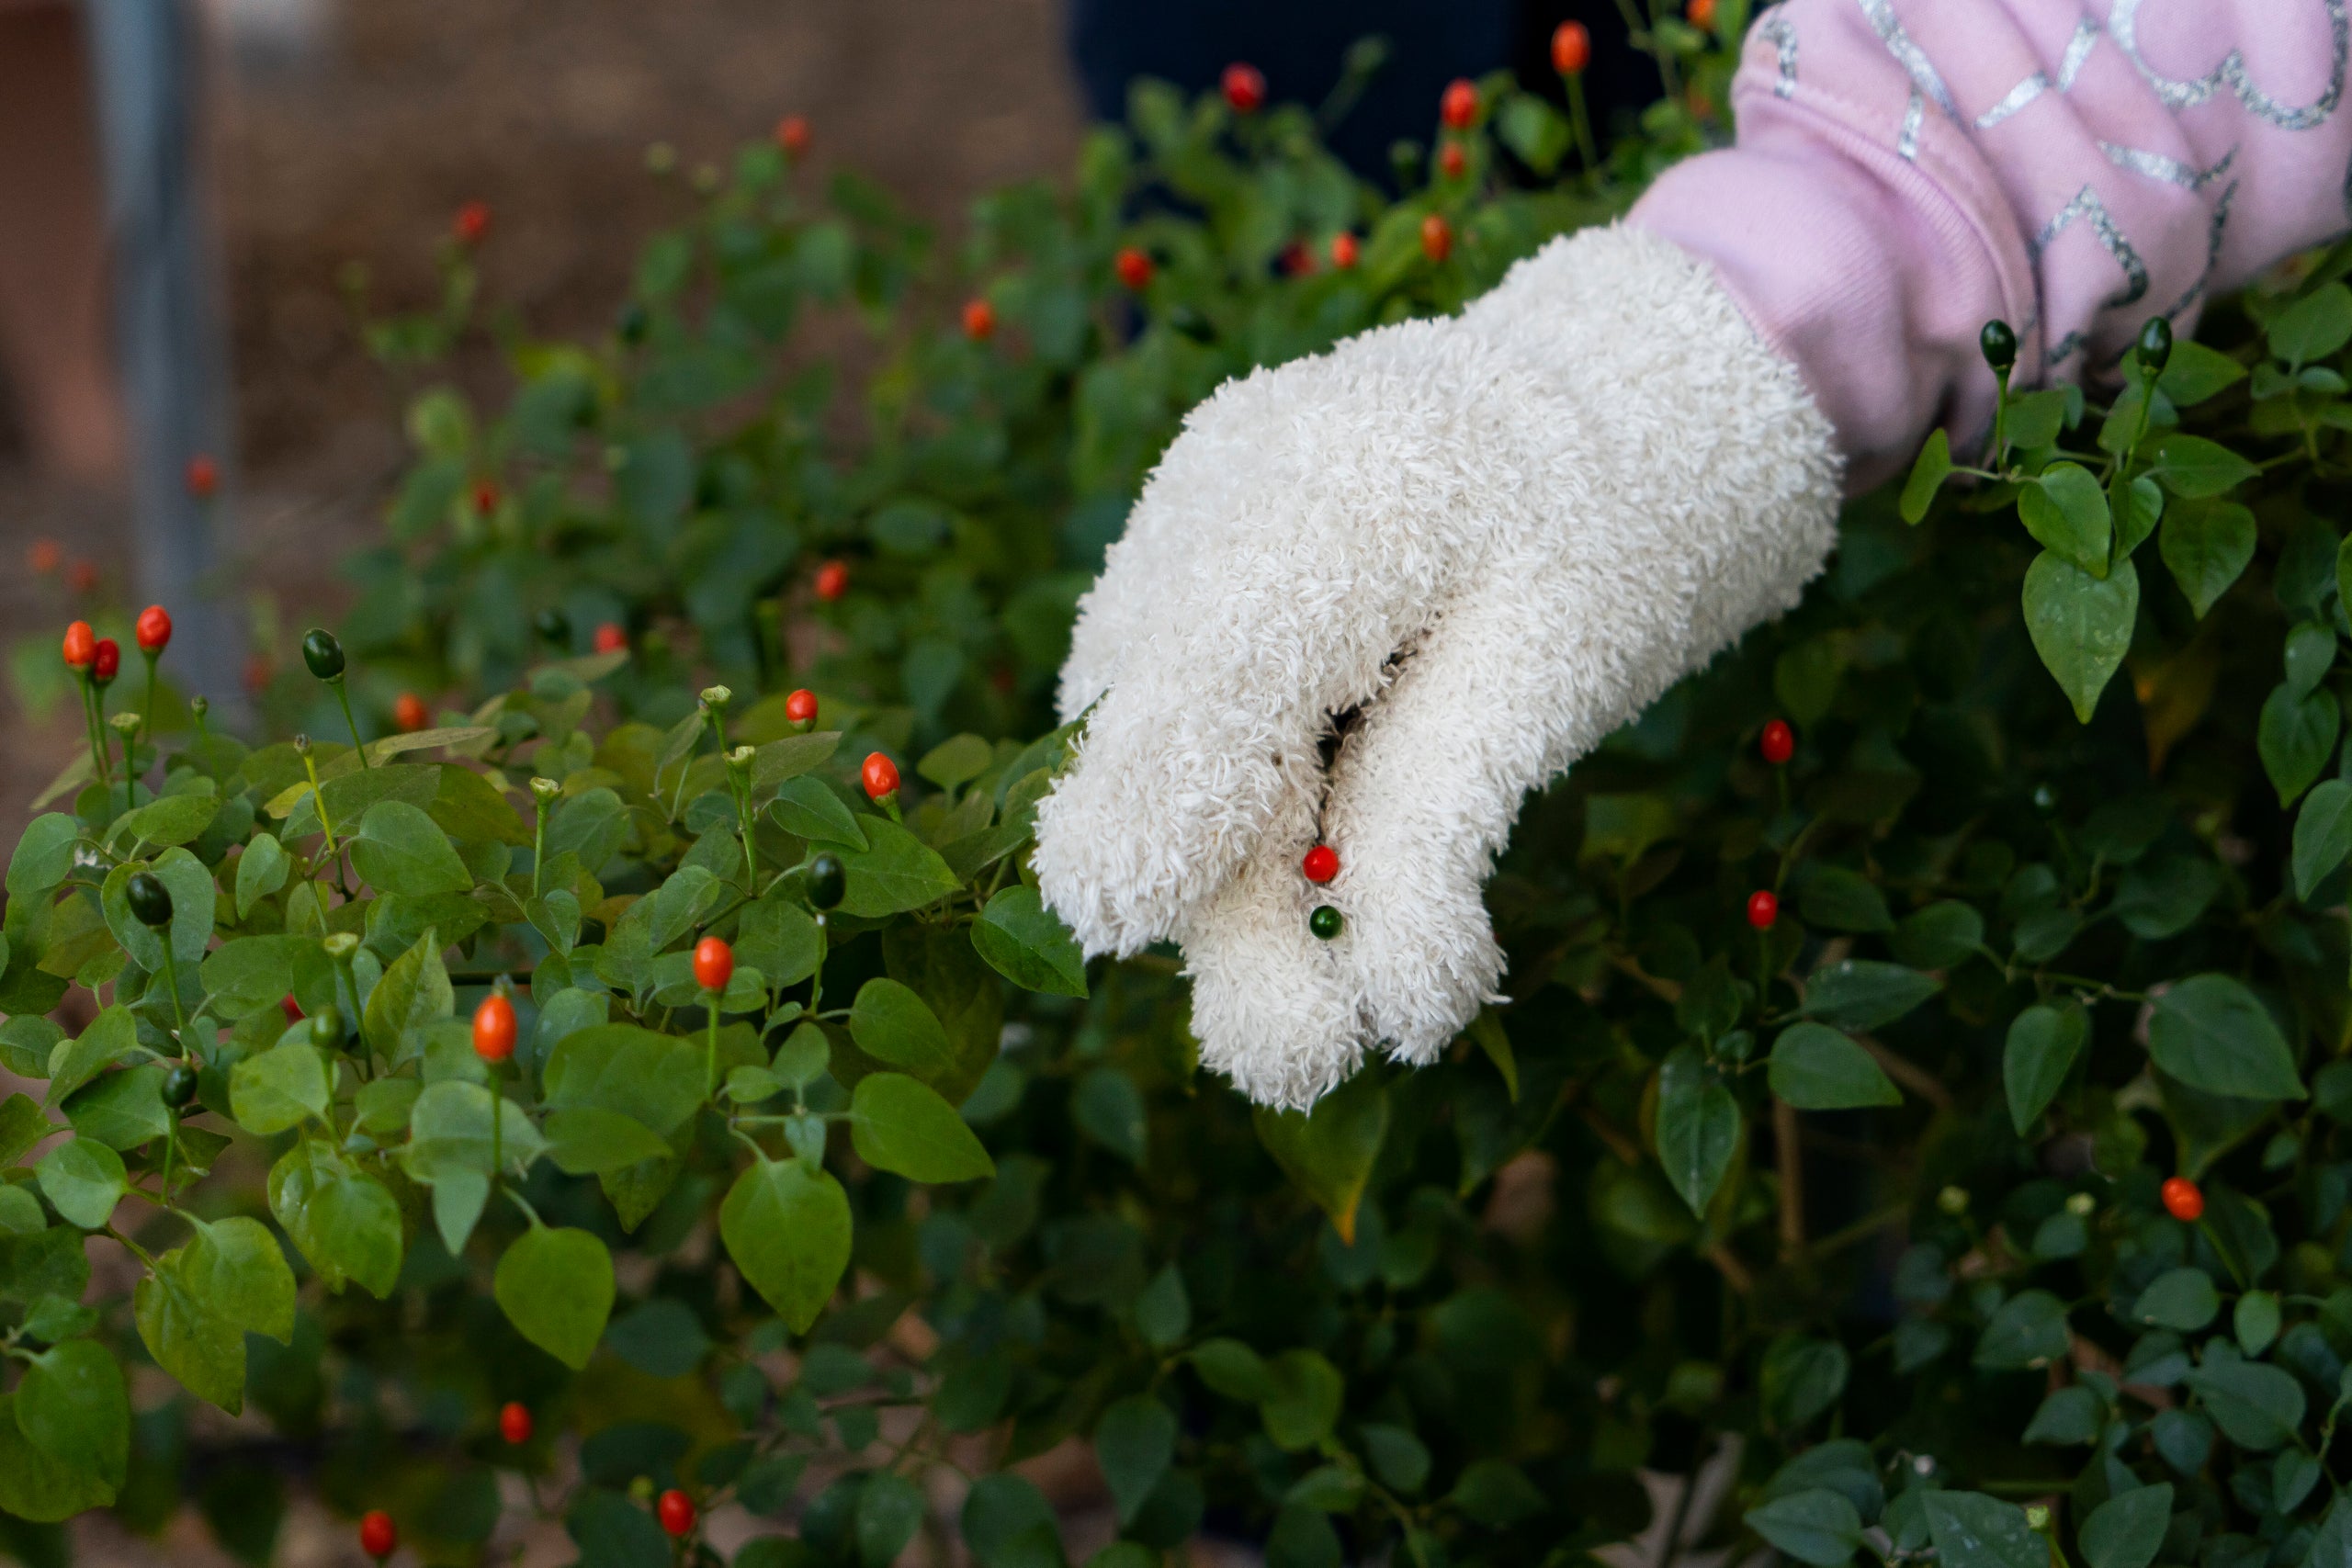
(1790,1161)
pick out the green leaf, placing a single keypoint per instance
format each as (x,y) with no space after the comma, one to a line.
(2195,373)
(398,848)
(1027,943)
(249,972)
(449,1132)
(74,1406)
(2042,1046)
(789,756)
(895,872)
(889,1511)
(2142,507)
(807,808)
(2322,836)
(1816,1526)
(589,1140)
(2193,468)
(1108,1108)
(43,856)
(1232,1369)
(2066,1416)
(2257,1407)
(261,871)
(891,1023)
(2206,548)
(2296,737)
(655,1078)
(1304,1393)
(414,994)
(2081,626)
(34,1486)
(1972,1531)
(1534,130)
(1928,475)
(2211,1033)
(1859,994)
(2311,650)
(2126,1530)
(21,1126)
(1163,1312)
(280,1089)
(2065,510)
(1496,1494)
(663,1338)
(556,1287)
(2029,1330)
(1328,1153)
(956,761)
(2312,327)
(102,1042)
(779,939)
(1800,1377)
(1698,1126)
(173,820)
(197,1305)
(192,910)
(2332,1546)
(788,1230)
(48,1261)
(1841,900)
(897,1124)
(2163,896)
(804,1056)
(1813,1067)
(2255,1321)
(1134,1442)
(2035,418)
(345,1222)
(2182,1299)
(122,1109)
(83,1180)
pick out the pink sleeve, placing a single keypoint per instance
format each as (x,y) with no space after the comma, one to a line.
(1906,170)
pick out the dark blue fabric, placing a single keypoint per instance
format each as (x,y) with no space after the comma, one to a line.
(1299,45)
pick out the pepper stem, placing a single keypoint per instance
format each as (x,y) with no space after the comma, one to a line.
(172,979)
(1580,117)
(710,1051)
(147,717)
(319,798)
(344,696)
(93,707)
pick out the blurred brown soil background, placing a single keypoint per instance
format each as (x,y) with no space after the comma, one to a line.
(347,130)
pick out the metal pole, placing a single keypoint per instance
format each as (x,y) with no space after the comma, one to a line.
(147,60)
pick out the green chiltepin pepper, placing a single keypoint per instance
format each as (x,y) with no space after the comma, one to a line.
(1998,345)
(180,1085)
(2154,348)
(326,1026)
(149,901)
(322,653)
(1325,922)
(828,881)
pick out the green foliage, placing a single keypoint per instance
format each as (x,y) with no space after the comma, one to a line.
(1874,1191)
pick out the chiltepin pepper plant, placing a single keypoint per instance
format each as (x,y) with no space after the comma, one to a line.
(653,1088)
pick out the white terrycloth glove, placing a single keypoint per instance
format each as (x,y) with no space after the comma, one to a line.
(1499,537)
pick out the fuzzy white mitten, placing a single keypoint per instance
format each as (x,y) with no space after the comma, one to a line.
(1498,537)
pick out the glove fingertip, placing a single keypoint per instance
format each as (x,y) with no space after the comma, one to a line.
(1273,1007)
